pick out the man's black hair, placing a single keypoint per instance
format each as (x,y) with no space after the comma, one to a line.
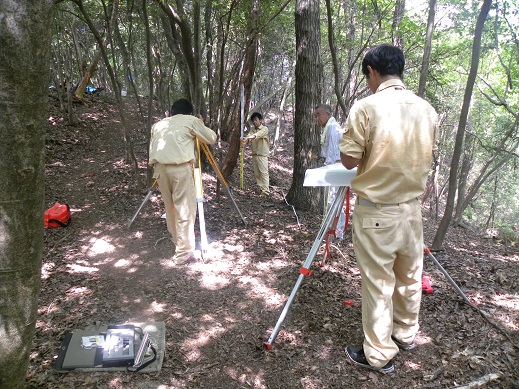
(182,107)
(385,59)
(256,115)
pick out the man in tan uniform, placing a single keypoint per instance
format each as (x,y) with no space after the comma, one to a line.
(259,137)
(391,136)
(172,155)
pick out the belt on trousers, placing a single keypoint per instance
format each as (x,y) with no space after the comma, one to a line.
(172,164)
(367,203)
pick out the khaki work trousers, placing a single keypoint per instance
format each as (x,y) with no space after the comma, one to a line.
(177,186)
(388,245)
(260,164)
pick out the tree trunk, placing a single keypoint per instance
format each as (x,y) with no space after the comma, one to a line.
(25,36)
(85,80)
(130,155)
(424,71)
(172,39)
(398,15)
(246,78)
(466,166)
(149,63)
(335,63)
(281,109)
(308,76)
(476,50)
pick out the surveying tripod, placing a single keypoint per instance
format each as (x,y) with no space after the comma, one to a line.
(198,188)
(335,175)
(332,175)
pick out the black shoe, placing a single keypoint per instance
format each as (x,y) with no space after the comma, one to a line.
(403,346)
(356,355)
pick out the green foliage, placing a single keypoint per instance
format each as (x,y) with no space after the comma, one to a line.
(356,26)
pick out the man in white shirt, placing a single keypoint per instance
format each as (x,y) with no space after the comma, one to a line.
(330,136)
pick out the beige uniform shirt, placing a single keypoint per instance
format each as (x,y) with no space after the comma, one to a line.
(260,144)
(394,134)
(173,139)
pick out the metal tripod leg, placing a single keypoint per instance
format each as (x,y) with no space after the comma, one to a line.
(304,271)
(333,227)
(201,217)
(451,281)
(211,160)
(142,205)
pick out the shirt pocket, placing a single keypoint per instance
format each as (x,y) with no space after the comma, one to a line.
(377,223)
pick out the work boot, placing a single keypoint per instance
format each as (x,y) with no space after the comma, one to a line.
(403,346)
(356,355)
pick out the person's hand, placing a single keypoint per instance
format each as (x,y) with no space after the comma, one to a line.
(243,141)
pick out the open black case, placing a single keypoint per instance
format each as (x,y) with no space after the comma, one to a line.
(132,347)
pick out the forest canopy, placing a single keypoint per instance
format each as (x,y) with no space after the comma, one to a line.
(204,50)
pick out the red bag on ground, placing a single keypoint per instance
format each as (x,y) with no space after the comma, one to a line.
(57,216)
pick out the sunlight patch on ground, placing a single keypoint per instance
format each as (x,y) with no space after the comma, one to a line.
(78,291)
(413,365)
(231,248)
(167,263)
(268,266)
(509,301)
(213,282)
(191,347)
(122,263)
(156,307)
(175,314)
(76,268)
(255,289)
(98,246)
(325,351)
(46,270)
(280,168)
(250,379)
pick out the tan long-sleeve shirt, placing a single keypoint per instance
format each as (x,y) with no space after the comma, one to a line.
(393,132)
(173,139)
(260,144)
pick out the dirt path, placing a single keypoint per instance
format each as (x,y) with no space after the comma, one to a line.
(218,312)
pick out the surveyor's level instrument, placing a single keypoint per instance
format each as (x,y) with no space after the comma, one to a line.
(142,204)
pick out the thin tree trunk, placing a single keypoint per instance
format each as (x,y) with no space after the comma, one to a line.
(424,71)
(398,15)
(333,52)
(281,109)
(490,219)
(247,77)
(130,155)
(149,64)
(466,165)
(85,79)
(476,51)
(482,178)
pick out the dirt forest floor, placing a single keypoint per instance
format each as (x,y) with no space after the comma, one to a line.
(219,311)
